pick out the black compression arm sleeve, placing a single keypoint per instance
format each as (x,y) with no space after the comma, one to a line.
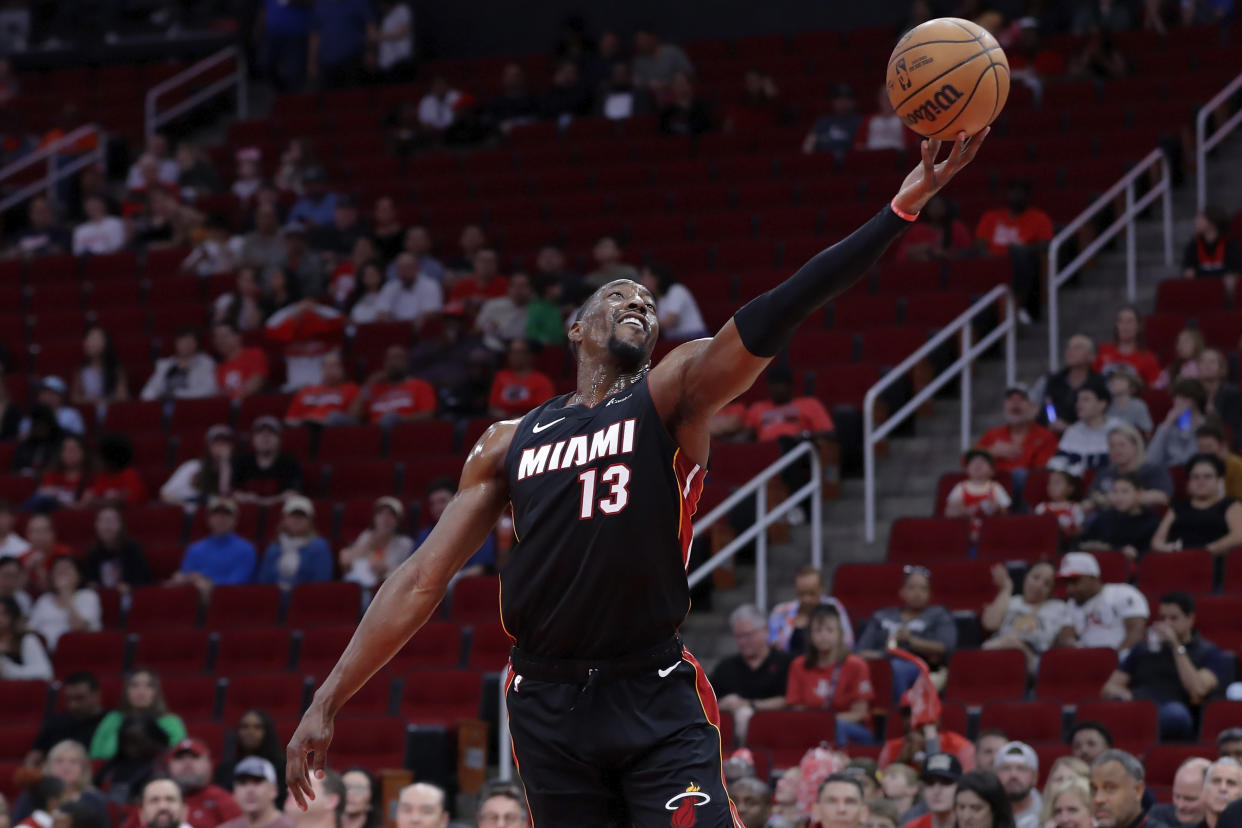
(768,322)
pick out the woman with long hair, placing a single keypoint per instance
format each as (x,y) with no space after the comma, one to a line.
(255,736)
(1185,364)
(364,301)
(142,697)
(241,307)
(64,483)
(363,799)
(1068,804)
(380,549)
(115,560)
(100,377)
(829,676)
(68,762)
(1128,346)
(1206,519)
(981,802)
(22,655)
(209,475)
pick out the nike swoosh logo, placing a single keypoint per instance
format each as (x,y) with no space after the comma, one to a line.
(538,427)
(665,672)
(618,399)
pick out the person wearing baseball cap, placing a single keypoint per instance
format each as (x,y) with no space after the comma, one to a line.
(254,787)
(221,558)
(52,393)
(939,776)
(206,805)
(379,549)
(1099,615)
(299,555)
(1017,767)
(1020,442)
(266,474)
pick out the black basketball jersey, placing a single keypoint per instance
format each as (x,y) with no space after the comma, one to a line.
(602,500)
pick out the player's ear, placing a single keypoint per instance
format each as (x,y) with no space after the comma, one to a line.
(575,331)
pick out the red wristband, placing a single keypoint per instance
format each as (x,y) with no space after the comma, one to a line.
(902,213)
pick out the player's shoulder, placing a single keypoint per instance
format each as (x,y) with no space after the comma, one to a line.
(676,360)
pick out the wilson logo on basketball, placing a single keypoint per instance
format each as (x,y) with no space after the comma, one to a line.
(935,106)
(683,806)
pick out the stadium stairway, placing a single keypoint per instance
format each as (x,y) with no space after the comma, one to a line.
(907,477)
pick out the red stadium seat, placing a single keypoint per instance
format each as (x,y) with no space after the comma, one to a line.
(1070,675)
(369,742)
(362,478)
(1132,723)
(134,416)
(442,697)
(172,652)
(408,441)
(963,585)
(918,540)
(15,740)
(734,464)
(1189,570)
(1162,761)
(280,695)
(349,443)
(856,311)
(1024,721)
(243,607)
(253,651)
(324,605)
(156,608)
(1019,538)
(200,414)
(193,697)
(22,701)
(789,734)
(101,653)
(865,588)
(1190,296)
(1216,617)
(489,647)
(475,600)
(1220,715)
(1233,571)
(979,676)
(437,644)
(265,405)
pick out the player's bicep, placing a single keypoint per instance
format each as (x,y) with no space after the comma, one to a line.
(701,377)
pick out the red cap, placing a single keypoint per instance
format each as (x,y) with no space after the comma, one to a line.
(190,745)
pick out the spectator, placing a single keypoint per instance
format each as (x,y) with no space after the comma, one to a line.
(568,96)
(387,231)
(417,240)
(438,108)
(1185,364)
(1088,740)
(503,319)
(64,483)
(1099,615)
(470,241)
(684,113)
(1207,519)
(116,481)
(283,289)
(142,696)
(503,803)
(518,387)
(363,800)
(69,763)
(68,606)
(1020,232)
(316,206)
(45,234)
(1125,386)
(298,555)
(396,41)
(156,150)
(609,267)
(1067,804)
(1210,439)
(187,374)
(1213,251)
(940,774)
(829,676)
(655,63)
(263,248)
(206,805)
(380,549)
(339,33)
(44,797)
(516,105)
(980,802)
(12,545)
(1222,787)
(677,311)
(1017,770)
(255,789)
(1224,399)
(423,804)
(339,235)
(1059,392)
(1186,809)
(392,396)
(1126,525)
(485,282)
(987,744)
(1128,347)
(266,475)
(346,275)
(938,235)
(1174,441)
(469,393)
(411,296)
(1174,667)
(440,493)
(839,802)
(213,254)
(880,813)
(79,696)
(248,179)
(1126,456)
(220,559)
(1117,791)
(545,323)
(918,626)
(328,403)
(1028,622)
(1100,59)
(979,495)
(755,677)
(196,175)
(12,579)
(618,98)
(884,129)
(43,551)
(753,801)
(241,371)
(1229,743)
(256,738)
(1061,501)
(1105,15)
(115,560)
(835,133)
(366,300)
(901,788)
(22,655)
(788,621)
(52,391)
(1085,445)
(211,475)
(301,266)
(783,417)
(161,804)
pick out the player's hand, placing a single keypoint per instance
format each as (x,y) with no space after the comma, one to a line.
(308,753)
(925,180)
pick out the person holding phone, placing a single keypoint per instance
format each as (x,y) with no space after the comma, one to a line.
(1174,441)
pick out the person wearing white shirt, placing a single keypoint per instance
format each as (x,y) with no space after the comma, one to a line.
(12,545)
(884,129)
(22,655)
(1084,445)
(66,606)
(157,149)
(396,41)
(1099,615)
(436,110)
(411,295)
(675,306)
(1028,622)
(100,233)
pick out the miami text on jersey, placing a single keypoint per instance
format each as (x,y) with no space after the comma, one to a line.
(578,450)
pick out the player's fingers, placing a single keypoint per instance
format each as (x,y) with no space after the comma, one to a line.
(295,774)
(320,762)
(972,148)
(930,148)
(951,163)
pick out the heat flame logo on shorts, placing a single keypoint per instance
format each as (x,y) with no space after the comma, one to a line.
(683,805)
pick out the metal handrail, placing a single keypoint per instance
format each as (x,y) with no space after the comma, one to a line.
(58,149)
(969,353)
(756,486)
(154,119)
(1126,221)
(1205,142)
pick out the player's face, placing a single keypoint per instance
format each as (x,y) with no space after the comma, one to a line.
(621,320)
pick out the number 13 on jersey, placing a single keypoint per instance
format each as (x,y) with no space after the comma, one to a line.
(617,478)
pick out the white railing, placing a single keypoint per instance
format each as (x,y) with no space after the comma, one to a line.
(1126,221)
(155,118)
(61,161)
(970,351)
(1205,142)
(758,487)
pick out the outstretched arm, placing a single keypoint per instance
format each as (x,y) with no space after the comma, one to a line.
(699,378)
(405,602)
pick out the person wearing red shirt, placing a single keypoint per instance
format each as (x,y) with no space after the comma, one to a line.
(206,805)
(241,371)
(328,403)
(484,283)
(1020,443)
(64,482)
(936,236)
(37,560)
(305,331)
(519,387)
(783,414)
(907,749)
(119,483)
(1020,232)
(392,396)
(1127,346)
(830,676)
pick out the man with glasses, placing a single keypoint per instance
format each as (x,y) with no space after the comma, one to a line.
(754,678)
(940,774)
(503,804)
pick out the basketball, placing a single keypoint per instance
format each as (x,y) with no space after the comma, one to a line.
(947,75)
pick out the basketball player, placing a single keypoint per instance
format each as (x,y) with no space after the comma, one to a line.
(613,722)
